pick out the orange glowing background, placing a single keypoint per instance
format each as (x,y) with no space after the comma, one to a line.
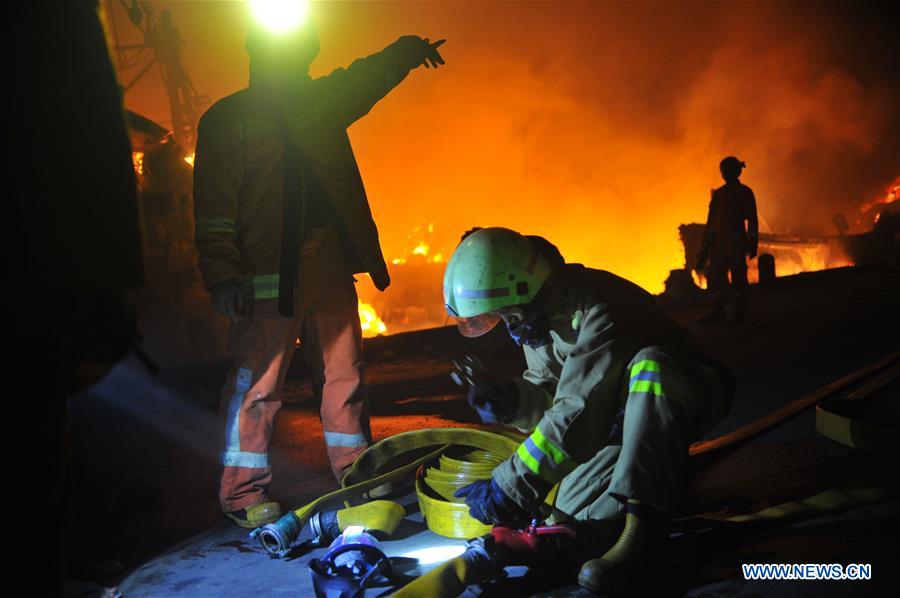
(597,125)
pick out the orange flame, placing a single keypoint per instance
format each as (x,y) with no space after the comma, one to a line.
(810,255)
(369,320)
(890,194)
(137,159)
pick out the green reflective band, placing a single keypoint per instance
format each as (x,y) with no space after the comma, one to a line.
(544,458)
(215,225)
(647,386)
(261,279)
(645,365)
(548,447)
(265,286)
(528,460)
(645,378)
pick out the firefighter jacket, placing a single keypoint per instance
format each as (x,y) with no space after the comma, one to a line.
(239,169)
(574,387)
(732,228)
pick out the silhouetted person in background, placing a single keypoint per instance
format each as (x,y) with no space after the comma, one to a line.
(283,223)
(731,235)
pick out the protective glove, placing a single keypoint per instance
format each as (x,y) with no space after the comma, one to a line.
(380,278)
(420,51)
(495,402)
(228,298)
(489,504)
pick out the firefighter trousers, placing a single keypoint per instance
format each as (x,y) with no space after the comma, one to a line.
(649,459)
(326,319)
(720,266)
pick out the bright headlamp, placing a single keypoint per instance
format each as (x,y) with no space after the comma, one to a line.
(280,16)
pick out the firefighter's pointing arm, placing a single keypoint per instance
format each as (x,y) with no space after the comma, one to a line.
(348,94)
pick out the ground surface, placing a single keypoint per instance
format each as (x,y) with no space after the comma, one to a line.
(145,463)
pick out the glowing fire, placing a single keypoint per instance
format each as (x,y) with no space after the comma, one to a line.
(137,159)
(370,322)
(699,279)
(423,249)
(801,255)
(891,194)
(190,159)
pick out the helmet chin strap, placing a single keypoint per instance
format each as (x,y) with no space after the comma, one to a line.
(534,329)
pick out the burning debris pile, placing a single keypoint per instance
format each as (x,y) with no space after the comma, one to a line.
(414,300)
(371,324)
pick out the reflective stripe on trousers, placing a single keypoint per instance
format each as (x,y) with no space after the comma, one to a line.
(233,456)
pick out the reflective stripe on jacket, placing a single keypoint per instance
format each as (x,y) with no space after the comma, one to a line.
(238,169)
(571,393)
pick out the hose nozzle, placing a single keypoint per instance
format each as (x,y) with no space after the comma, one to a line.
(278,537)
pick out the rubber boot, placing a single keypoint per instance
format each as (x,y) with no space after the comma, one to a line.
(256,515)
(624,569)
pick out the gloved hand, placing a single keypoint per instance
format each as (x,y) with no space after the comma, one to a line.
(381,278)
(228,299)
(489,504)
(421,51)
(495,402)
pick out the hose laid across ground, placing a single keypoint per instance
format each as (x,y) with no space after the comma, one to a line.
(450,518)
(451,579)
(444,517)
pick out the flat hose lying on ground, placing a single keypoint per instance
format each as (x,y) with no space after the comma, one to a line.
(442,516)
(451,578)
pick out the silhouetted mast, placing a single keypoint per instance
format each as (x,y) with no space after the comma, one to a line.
(164,41)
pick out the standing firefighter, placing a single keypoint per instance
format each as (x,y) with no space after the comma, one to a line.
(283,223)
(613,395)
(731,235)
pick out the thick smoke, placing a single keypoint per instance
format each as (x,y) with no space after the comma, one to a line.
(601,125)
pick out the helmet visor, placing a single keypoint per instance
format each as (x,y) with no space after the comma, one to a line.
(477,325)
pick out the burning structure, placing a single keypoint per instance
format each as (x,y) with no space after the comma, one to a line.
(609,156)
(604,156)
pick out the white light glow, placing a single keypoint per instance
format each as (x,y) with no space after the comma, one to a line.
(436,554)
(280,16)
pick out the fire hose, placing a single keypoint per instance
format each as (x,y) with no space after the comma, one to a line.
(486,555)
(481,559)
(442,516)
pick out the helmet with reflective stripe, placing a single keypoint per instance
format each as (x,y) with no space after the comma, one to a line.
(490,269)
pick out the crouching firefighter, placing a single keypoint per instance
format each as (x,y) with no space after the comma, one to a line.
(614,394)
